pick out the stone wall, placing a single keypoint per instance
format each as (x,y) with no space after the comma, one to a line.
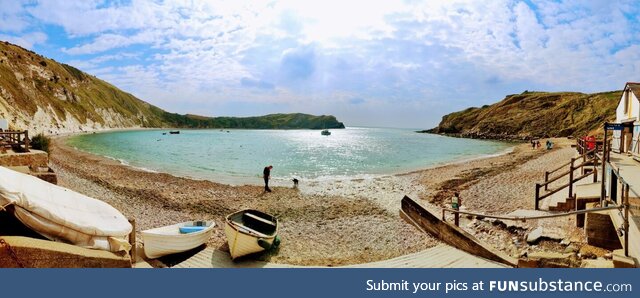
(32,159)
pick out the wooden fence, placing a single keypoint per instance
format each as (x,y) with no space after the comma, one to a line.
(18,140)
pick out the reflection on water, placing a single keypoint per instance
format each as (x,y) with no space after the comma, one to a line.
(306,154)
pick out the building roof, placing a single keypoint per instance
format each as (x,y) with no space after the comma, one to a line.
(634,87)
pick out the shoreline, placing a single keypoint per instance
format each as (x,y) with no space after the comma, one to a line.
(341,222)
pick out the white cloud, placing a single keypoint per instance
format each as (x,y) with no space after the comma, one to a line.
(25,40)
(442,54)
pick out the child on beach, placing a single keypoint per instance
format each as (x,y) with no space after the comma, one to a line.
(455,201)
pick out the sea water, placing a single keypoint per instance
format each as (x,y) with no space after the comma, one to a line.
(239,156)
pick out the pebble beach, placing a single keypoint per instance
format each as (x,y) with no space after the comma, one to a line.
(329,223)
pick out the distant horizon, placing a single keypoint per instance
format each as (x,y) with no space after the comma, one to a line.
(397,64)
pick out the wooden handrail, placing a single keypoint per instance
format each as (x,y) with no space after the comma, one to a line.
(562,186)
(560,167)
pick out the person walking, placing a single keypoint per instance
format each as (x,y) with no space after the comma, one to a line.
(266,175)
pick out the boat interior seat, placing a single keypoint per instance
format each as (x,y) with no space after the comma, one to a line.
(250,230)
(258,223)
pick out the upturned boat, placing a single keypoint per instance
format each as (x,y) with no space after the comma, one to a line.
(176,238)
(250,231)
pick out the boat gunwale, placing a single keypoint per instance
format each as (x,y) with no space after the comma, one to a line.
(238,227)
(208,228)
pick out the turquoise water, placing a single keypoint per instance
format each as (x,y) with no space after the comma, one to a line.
(241,155)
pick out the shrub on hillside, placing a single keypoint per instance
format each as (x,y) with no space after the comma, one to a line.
(40,142)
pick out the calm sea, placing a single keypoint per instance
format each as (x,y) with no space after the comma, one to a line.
(239,156)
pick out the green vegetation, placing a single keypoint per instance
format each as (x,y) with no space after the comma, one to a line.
(40,142)
(533,114)
(29,82)
(273,121)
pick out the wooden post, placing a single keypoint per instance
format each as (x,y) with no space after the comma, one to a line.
(626,221)
(457,219)
(537,195)
(443,211)
(595,174)
(604,163)
(571,169)
(132,240)
(26,140)
(546,178)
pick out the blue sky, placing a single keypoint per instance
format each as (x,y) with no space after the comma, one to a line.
(371,63)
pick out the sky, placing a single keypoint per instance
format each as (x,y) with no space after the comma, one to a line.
(369,63)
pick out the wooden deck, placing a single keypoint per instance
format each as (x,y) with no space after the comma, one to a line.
(441,256)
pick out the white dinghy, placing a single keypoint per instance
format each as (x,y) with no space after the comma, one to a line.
(63,215)
(176,238)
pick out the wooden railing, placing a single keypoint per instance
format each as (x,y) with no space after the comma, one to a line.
(15,139)
(589,157)
(622,208)
(583,145)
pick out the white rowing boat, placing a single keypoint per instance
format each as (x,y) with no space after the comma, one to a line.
(176,238)
(250,231)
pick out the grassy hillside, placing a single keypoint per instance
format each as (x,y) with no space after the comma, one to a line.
(42,95)
(533,114)
(273,121)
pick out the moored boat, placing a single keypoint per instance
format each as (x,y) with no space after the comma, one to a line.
(176,238)
(250,231)
(325,132)
(175,132)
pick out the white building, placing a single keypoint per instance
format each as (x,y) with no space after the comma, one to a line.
(628,114)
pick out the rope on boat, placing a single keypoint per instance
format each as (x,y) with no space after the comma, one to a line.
(4,207)
(524,218)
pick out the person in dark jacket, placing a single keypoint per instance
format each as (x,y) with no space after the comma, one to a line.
(266,175)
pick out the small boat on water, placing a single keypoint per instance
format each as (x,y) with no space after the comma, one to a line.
(250,231)
(176,238)
(175,132)
(325,132)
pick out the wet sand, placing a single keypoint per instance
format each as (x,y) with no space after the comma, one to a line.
(327,223)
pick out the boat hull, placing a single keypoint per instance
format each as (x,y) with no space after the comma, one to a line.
(168,240)
(243,241)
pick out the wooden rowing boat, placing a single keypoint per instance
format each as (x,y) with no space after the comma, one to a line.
(250,231)
(176,238)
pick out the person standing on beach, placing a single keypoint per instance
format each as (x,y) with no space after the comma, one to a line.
(456,201)
(266,175)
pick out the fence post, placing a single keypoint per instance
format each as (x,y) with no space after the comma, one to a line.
(626,221)
(457,220)
(132,241)
(571,169)
(537,195)
(604,164)
(546,179)
(26,140)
